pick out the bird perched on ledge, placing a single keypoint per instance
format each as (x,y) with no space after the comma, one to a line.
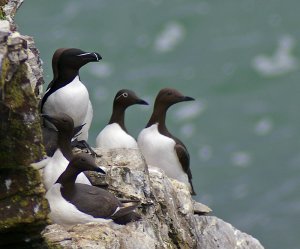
(63,154)
(160,148)
(115,135)
(66,93)
(73,203)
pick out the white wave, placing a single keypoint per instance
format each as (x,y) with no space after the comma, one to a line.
(282,61)
(241,159)
(205,152)
(188,130)
(263,126)
(101,70)
(169,38)
(190,110)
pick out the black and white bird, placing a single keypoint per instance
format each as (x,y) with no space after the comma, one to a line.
(66,93)
(57,164)
(160,148)
(73,203)
(115,135)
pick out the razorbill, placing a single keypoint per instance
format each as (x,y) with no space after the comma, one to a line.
(115,135)
(160,148)
(66,93)
(63,154)
(72,203)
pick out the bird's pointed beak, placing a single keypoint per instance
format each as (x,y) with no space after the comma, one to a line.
(187,98)
(142,102)
(91,56)
(77,129)
(100,171)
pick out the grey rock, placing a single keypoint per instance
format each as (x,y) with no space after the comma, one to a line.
(167,210)
(215,233)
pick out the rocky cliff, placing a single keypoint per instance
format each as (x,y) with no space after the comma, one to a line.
(170,217)
(167,209)
(23,209)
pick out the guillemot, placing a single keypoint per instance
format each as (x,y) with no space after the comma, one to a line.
(73,203)
(160,148)
(66,93)
(63,154)
(115,135)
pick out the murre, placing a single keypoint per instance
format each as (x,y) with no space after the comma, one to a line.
(63,154)
(160,148)
(115,135)
(66,93)
(72,203)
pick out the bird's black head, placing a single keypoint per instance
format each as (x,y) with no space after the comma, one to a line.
(169,96)
(127,98)
(85,162)
(62,122)
(72,58)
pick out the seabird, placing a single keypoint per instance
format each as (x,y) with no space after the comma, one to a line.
(115,134)
(72,203)
(66,93)
(63,154)
(160,148)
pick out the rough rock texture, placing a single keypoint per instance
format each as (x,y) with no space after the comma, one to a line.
(166,207)
(23,209)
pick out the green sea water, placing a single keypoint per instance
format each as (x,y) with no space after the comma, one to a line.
(240,59)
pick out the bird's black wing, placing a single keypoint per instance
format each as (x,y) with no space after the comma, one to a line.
(184,159)
(91,200)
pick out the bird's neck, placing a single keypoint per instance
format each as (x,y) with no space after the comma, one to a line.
(118,116)
(68,177)
(67,75)
(64,144)
(159,117)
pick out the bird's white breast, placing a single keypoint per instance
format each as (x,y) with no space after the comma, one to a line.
(55,167)
(113,137)
(72,99)
(159,151)
(65,213)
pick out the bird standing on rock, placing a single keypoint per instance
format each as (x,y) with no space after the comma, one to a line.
(73,203)
(63,154)
(160,148)
(115,134)
(66,93)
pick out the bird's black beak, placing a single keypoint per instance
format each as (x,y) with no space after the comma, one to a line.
(100,171)
(187,98)
(91,56)
(142,102)
(98,56)
(77,129)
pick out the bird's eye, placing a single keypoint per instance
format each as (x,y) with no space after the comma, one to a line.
(125,95)
(169,93)
(82,160)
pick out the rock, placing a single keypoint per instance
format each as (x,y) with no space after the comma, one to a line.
(215,233)
(167,210)
(23,208)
